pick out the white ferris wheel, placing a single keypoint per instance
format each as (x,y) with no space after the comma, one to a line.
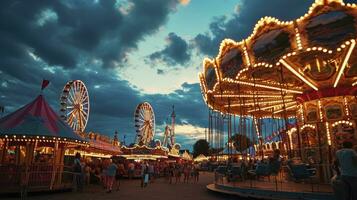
(144,118)
(75,105)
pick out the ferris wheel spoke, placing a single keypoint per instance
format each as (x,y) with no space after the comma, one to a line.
(70,112)
(83,116)
(84,93)
(142,115)
(84,113)
(71,96)
(140,119)
(143,127)
(84,98)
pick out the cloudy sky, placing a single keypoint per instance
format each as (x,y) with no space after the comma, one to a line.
(126,52)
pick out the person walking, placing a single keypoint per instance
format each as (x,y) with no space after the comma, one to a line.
(77,169)
(196,174)
(87,171)
(131,169)
(171,172)
(119,175)
(186,172)
(346,161)
(111,172)
(151,172)
(142,174)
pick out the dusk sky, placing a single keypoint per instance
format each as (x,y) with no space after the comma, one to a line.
(126,52)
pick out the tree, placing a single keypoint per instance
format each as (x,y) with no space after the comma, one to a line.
(240,142)
(200,147)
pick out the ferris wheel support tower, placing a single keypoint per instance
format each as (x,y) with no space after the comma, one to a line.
(173,116)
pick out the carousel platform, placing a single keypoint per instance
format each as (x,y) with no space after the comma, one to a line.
(269,190)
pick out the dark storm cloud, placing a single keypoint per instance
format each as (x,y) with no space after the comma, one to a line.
(160,71)
(60,32)
(241,24)
(176,52)
(69,40)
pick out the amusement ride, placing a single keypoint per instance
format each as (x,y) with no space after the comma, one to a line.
(144,118)
(291,84)
(75,105)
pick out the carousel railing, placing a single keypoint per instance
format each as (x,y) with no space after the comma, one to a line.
(294,178)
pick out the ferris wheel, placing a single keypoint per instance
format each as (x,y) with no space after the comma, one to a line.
(144,123)
(75,105)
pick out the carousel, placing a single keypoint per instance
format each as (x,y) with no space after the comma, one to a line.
(291,84)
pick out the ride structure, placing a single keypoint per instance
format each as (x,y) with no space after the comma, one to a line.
(293,84)
(169,134)
(75,105)
(144,119)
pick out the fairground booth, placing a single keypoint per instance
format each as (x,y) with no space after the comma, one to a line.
(291,84)
(33,142)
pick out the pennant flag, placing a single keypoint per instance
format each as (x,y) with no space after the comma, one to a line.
(45,84)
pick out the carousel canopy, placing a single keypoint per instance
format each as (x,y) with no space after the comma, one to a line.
(37,119)
(283,63)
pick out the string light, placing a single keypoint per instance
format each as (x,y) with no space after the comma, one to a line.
(290,68)
(251,95)
(262,86)
(259,102)
(342,122)
(346,106)
(320,110)
(328,133)
(273,106)
(344,63)
(298,39)
(281,110)
(290,132)
(302,113)
(307,126)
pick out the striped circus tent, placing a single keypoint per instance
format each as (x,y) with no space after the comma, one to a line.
(37,119)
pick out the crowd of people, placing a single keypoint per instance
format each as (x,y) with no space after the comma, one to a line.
(109,172)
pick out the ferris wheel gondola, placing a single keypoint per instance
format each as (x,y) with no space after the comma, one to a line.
(75,105)
(144,118)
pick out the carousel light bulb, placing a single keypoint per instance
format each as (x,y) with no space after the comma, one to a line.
(290,68)
(344,63)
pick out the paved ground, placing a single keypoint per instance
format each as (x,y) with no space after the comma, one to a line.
(159,190)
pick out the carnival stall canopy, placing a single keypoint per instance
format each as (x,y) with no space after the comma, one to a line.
(144,152)
(227,151)
(186,156)
(34,120)
(103,146)
(201,158)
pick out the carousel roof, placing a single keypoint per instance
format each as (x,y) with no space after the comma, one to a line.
(37,119)
(283,63)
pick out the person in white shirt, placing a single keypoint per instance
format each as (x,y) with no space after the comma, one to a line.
(346,160)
